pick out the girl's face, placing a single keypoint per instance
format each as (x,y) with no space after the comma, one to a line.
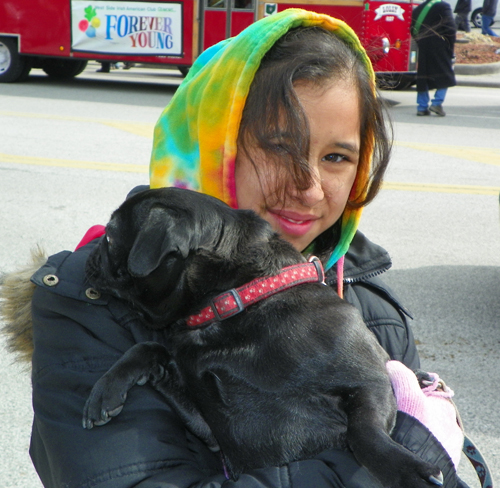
(334,123)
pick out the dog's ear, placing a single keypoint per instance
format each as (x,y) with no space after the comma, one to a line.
(160,235)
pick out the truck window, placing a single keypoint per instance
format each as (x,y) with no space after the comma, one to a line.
(244,4)
(216,4)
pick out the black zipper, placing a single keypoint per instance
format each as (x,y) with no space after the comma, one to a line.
(367,276)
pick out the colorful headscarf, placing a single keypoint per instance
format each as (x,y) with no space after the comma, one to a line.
(195,139)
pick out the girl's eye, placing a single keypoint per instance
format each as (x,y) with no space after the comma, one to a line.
(335,158)
(278,144)
(278,148)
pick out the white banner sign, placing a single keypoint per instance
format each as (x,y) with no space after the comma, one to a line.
(390,9)
(133,28)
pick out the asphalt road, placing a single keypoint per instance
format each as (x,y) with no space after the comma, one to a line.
(69,152)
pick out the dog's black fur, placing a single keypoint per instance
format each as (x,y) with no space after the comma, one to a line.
(283,380)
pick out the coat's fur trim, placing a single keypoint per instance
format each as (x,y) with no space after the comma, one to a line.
(16,293)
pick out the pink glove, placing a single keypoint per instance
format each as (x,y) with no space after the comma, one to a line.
(431,406)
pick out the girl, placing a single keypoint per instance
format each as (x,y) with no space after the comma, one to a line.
(284,119)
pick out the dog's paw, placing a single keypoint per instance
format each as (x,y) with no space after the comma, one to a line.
(140,364)
(107,398)
(420,480)
(417,474)
(424,379)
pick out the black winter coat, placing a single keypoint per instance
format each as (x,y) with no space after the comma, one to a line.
(436,44)
(463,7)
(77,337)
(490,7)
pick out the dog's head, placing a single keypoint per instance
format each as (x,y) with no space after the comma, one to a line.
(169,251)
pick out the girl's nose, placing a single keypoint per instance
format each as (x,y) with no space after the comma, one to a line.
(312,195)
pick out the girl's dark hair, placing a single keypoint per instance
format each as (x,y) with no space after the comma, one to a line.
(274,121)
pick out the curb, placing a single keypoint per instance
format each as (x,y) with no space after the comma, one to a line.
(477,69)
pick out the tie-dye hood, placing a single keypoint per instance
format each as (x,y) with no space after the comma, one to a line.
(195,138)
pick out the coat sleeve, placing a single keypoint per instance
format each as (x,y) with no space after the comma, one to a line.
(76,341)
(446,26)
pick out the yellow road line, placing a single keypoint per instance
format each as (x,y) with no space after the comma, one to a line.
(137,168)
(476,154)
(69,163)
(142,129)
(482,155)
(436,188)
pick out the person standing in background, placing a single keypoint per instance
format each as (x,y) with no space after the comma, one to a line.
(434,30)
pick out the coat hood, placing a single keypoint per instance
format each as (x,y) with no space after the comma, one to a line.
(195,139)
(16,292)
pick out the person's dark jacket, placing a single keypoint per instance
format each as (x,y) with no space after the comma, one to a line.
(490,8)
(463,7)
(436,46)
(78,336)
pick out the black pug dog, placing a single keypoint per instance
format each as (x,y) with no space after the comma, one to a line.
(284,379)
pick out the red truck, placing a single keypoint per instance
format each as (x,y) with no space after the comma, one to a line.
(61,36)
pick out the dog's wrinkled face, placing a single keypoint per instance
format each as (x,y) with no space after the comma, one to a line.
(169,250)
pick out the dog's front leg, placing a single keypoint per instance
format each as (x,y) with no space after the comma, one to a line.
(141,363)
(173,389)
(367,435)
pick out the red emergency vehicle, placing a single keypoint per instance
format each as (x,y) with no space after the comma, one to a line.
(60,36)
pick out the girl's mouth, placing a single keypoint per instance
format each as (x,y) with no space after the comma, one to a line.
(293,223)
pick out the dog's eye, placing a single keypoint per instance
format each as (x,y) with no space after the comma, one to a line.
(110,241)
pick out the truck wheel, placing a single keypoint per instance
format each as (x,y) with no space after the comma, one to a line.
(13,66)
(477,17)
(63,68)
(389,81)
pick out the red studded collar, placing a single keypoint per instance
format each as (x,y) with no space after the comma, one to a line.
(234,301)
